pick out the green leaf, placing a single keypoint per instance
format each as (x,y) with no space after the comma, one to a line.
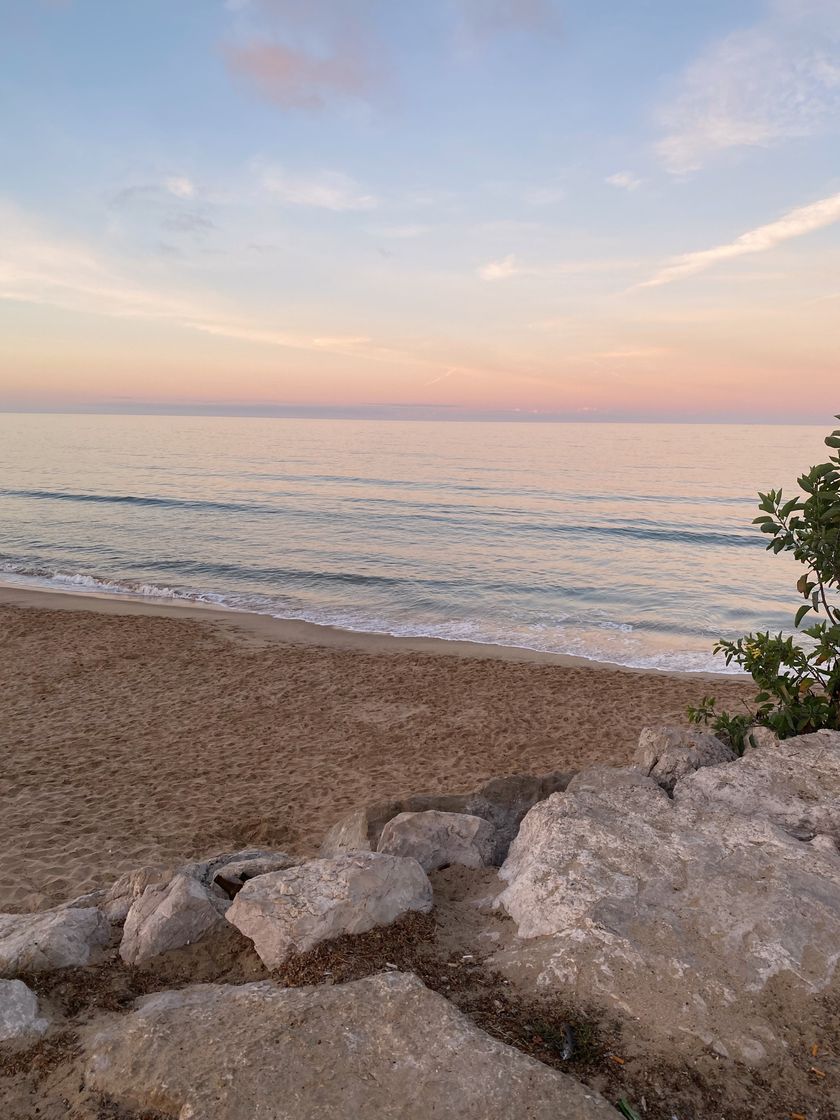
(627,1111)
(800,614)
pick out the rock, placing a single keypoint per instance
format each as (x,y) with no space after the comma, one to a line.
(95,897)
(233,867)
(795,783)
(759,736)
(503,802)
(19,1021)
(600,779)
(671,914)
(120,896)
(437,839)
(169,917)
(241,866)
(294,910)
(52,939)
(382,1048)
(667,754)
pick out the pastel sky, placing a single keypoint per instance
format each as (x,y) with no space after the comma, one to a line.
(577,208)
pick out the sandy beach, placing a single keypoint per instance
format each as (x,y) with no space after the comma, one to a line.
(137,733)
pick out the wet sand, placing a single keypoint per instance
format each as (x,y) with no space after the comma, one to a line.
(134,732)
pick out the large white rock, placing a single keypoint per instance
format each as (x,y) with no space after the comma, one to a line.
(383,1048)
(52,939)
(118,899)
(601,779)
(676,915)
(667,754)
(170,916)
(169,912)
(437,839)
(795,782)
(295,909)
(20,1023)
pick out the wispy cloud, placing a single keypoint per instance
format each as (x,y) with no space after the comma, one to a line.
(806,219)
(181,186)
(775,81)
(327,190)
(304,55)
(401,233)
(481,20)
(626,180)
(41,269)
(295,79)
(185,221)
(506,267)
(499,270)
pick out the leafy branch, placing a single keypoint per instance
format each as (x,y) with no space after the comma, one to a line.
(799,684)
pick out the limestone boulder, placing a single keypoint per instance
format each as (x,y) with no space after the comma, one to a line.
(667,754)
(235,868)
(383,1048)
(437,839)
(170,916)
(601,779)
(795,783)
(759,736)
(502,802)
(60,938)
(20,1024)
(672,915)
(117,900)
(295,909)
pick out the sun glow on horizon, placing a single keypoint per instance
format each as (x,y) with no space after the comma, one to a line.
(355,236)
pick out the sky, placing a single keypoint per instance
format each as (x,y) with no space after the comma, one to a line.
(578,209)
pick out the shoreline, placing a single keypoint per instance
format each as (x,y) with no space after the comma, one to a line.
(253,627)
(140,733)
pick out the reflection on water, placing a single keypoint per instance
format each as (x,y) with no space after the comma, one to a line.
(623,542)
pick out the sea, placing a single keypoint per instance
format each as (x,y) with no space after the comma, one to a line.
(626,543)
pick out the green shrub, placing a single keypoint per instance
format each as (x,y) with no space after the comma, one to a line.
(799,684)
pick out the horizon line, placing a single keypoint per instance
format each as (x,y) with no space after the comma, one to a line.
(401,413)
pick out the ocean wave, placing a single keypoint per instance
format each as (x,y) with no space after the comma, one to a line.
(474,521)
(596,639)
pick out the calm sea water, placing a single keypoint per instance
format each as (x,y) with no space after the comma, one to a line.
(628,543)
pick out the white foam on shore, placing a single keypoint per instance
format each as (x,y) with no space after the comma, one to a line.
(551,640)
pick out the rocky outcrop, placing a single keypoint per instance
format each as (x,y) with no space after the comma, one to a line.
(437,839)
(52,939)
(502,802)
(294,910)
(119,897)
(601,779)
(383,1048)
(20,1023)
(238,867)
(675,914)
(169,917)
(795,783)
(759,736)
(166,913)
(667,754)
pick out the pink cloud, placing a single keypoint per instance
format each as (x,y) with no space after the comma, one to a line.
(297,79)
(481,19)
